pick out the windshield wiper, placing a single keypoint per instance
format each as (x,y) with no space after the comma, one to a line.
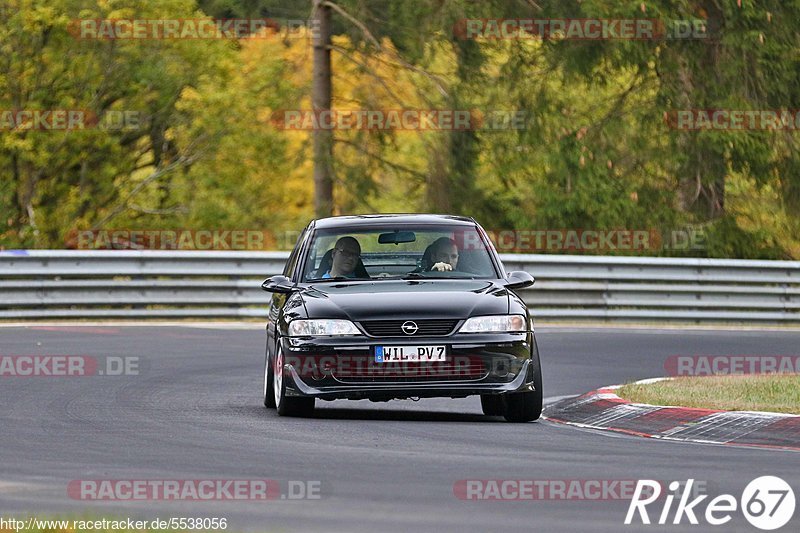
(413,275)
(337,278)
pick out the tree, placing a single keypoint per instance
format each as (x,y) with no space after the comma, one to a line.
(56,180)
(321,92)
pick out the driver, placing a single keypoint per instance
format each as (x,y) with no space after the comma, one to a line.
(344,259)
(444,255)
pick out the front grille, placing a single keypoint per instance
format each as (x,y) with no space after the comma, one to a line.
(411,372)
(393,328)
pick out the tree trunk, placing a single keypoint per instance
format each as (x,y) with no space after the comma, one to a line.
(464,144)
(321,102)
(438,190)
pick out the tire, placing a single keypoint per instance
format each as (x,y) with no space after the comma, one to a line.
(287,405)
(269,393)
(526,406)
(492,404)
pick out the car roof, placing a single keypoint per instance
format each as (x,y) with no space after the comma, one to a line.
(400,218)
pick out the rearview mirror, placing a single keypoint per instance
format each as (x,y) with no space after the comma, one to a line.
(397,237)
(519,279)
(279,284)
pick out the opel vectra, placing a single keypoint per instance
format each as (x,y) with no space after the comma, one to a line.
(383,307)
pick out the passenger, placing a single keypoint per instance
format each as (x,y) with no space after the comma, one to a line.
(444,255)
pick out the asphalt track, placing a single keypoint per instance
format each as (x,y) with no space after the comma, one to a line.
(194,412)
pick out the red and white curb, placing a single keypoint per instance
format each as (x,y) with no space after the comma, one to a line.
(602,409)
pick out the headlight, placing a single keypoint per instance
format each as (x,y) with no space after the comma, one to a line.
(494,324)
(303,328)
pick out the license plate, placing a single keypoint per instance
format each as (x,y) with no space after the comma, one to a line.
(391,354)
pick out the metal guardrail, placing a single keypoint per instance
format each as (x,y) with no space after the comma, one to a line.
(40,284)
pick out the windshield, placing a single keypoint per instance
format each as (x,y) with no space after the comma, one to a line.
(399,252)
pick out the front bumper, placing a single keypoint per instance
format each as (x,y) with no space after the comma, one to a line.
(344,368)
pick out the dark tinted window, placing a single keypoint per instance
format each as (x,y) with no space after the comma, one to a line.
(396,251)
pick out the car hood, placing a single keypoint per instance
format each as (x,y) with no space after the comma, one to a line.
(406,299)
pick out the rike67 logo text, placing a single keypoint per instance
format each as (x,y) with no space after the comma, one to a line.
(767,503)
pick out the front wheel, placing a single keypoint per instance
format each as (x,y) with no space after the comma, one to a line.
(269,394)
(492,404)
(523,406)
(526,406)
(288,405)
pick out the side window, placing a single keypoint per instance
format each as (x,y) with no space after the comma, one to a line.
(316,252)
(288,270)
(492,251)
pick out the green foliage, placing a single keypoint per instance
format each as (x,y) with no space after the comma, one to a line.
(59,180)
(595,151)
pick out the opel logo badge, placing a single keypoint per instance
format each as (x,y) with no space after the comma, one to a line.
(409,327)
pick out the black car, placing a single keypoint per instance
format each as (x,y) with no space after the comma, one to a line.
(385,307)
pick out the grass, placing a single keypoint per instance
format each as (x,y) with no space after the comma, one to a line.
(779,393)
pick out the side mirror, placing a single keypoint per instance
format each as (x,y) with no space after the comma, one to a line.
(279,284)
(519,279)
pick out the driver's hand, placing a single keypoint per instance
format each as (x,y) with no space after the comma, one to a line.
(442,267)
